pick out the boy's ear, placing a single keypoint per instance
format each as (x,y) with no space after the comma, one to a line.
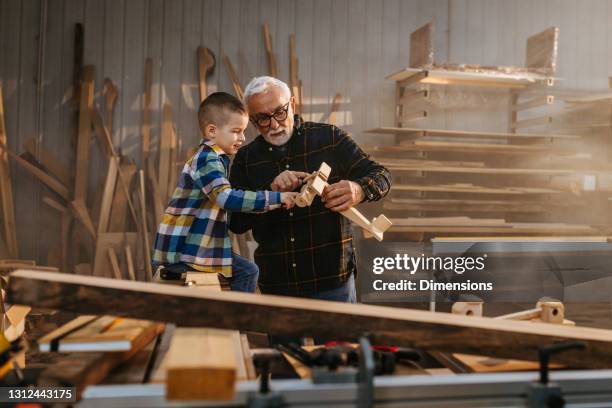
(210,131)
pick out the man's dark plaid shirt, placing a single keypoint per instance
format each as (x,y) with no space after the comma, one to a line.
(304,250)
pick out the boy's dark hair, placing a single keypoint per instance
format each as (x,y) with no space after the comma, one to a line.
(214,109)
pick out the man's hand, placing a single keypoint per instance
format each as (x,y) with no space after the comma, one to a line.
(342,195)
(288,180)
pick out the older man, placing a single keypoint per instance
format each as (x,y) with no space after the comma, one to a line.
(306,252)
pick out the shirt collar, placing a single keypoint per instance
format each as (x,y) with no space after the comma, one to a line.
(213,146)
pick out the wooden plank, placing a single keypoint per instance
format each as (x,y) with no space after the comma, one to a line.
(114,262)
(84,135)
(6,190)
(49,161)
(470,188)
(495,79)
(540,121)
(421,47)
(144,228)
(106,333)
(118,218)
(46,342)
(164,152)
(397,165)
(206,64)
(541,51)
(200,365)
(271,58)
(543,230)
(306,317)
(110,93)
(463,133)
(107,196)
(231,72)
(129,260)
(117,241)
(146,111)
(47,180)
(82,214)
(335,107)
(464,205)
(83,369)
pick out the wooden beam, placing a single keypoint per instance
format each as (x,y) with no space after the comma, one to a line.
(114,262)
(49,161)
(144,229)
(47,180)
(146,111)
(272,69)
(6,189)
(84,135)
(466,133)
(306,317)
(129,260)
(82,214)
(335,107)
(165,146)
(231,72)
(119,207)
(294,81)
(200,365)
(470,188)
(482,78)
(206,65)
(110,93)
(107,196)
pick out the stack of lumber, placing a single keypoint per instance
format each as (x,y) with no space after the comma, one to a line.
(450,182)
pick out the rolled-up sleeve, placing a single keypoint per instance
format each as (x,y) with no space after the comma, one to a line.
(374,178)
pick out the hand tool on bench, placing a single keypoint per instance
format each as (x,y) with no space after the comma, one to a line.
(316,183)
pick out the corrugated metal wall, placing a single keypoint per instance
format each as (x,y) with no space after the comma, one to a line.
(344,46)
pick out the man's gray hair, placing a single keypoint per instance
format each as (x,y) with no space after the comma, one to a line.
(262,84)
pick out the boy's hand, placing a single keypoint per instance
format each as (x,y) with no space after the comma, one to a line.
(288,199)
(288,180)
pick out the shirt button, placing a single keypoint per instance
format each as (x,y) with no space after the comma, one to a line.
(291,214)
(292,239)
(269,148)
(294,265)
(287,166)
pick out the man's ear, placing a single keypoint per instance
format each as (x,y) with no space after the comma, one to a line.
(210,131)
(292,103)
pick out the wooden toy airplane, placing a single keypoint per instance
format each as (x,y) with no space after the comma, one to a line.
(316,183)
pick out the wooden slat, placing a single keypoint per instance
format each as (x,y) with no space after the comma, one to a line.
(117,241)
(464,133)
(129,260)
(206,64)
(306,317)
(114,263)
(534,103)
(82,214)
(110,92)
(144,228)
(231,72)
(165,152)
(421,47)
(494,79)
(47,180)
(272,69)
(146,111)
(49,161)
(541,51)
(6,190)
(84,135)
(107,196)
(464,205)
(470,188)
(543,120)
(426,165)
(119,207)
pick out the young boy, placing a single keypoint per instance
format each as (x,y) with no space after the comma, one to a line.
(193,234)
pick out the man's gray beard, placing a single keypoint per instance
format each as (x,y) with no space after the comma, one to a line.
(278,142)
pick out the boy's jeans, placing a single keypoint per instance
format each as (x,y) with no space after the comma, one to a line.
(244,273)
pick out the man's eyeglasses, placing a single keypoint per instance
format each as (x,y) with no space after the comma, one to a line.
(264,120)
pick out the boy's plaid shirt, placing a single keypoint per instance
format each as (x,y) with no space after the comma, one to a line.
(304,250)
(194,228)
